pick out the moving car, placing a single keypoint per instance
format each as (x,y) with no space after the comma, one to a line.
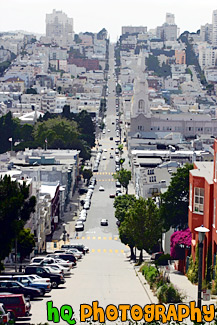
(112,196)
(104,222)
(101,188)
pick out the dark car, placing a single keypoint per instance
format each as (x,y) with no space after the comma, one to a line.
(66,257)
(18,288)
(16,304)
(55,279)
(82,190)
(111,138)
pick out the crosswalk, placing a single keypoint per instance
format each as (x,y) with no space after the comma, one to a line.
(103,173)
(97,238)
(116,251)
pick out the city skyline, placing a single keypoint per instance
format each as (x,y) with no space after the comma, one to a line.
(93,16)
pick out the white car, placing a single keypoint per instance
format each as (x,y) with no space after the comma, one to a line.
(101,188)
(82,219)
(37,278)
(57,267)
(105,150)
(108,130)
(103,132)
(104,222)
(79,227)
(103,158)
(75,252)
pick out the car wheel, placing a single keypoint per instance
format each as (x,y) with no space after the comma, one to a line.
(54,284)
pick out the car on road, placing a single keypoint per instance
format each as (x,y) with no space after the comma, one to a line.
(16,304)
(112,195)
(79,227)
(80,247)
(111,157)
(5,316)
(103,132)
(28,282)
(101,188)
(104,222)
(103,158)
(108,130)
(105,150)
(111,138)
(55,279)
(118,184)
(16,287)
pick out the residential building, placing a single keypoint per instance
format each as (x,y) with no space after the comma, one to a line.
(134,30)
(214,28)
(59,27)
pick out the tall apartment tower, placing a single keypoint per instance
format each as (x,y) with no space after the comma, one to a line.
(214,28)
(59,28)
(170,19)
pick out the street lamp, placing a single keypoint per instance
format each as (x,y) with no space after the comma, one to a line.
(201,235)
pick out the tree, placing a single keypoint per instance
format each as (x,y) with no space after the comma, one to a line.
(121,149)
(124,177)
(25,243)
(87,174)
(174,202)
(145,224)
(31,91)
(15,209)
(122,204)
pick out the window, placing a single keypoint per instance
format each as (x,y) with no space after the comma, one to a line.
(214,209)
(198,199)
(141,106)
(190,197)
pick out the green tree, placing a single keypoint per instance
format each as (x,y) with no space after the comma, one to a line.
(145,224)
(124,177)
(122,204)
(87,174)
(31,91)
(121,149)
(25,243)
(15,209)
(174,202)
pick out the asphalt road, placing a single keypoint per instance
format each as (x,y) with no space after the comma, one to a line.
(105,274)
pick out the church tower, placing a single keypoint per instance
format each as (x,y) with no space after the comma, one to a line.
(140,101)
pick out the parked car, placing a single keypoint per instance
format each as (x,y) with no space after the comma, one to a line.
(61,268)
(38,278)
(79,227)
(16,304)
(28,282)
(16,287)
(66,257)
(78,246)
(112,195)
(101,188)
(5,316)
(55,279)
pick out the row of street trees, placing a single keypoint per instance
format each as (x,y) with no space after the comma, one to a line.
(142,222)
(16,207)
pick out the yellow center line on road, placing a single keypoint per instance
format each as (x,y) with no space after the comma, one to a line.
(82,237)
(116,250)
(110,251)
(88,237)
(99,237)
(99,250)
(104,237)
(93,237)
(122,251)
(116,238)
(110,238)
(104,250)
(93,250)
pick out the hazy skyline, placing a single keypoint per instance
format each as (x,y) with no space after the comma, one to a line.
(93,15)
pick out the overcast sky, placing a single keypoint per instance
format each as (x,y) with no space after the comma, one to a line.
(92,16)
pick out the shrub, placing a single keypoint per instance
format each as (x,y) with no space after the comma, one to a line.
(192,273)
(167,293)
(163,259)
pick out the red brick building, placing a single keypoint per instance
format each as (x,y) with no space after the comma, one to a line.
(202,204)
(89,64)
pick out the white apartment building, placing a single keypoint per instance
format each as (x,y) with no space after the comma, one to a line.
(207,56)
(134,29)
(214,28)
(59,27)
(206,33)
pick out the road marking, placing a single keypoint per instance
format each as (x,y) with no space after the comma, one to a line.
(99,250)
(93,237)
(122,251)
(82,237)
(110,251)
(116,250)
(104,237)
(116,238)
(99,237)
(88,237)
(93,250)
(110,238)
(104,250)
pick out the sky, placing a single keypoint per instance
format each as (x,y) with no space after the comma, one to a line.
(93,15)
